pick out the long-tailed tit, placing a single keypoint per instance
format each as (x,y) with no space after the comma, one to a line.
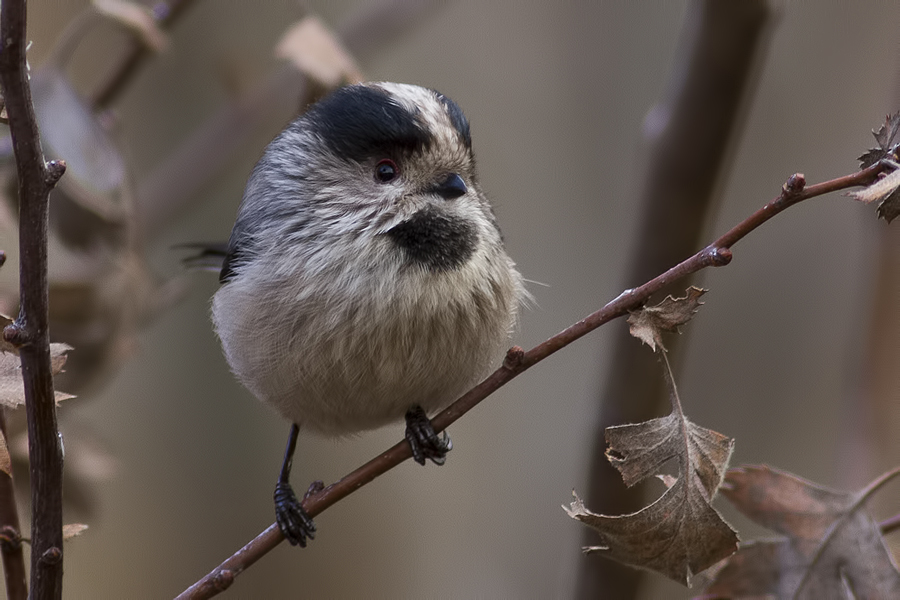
(365,278)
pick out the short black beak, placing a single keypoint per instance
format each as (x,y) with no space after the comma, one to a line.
(452,187)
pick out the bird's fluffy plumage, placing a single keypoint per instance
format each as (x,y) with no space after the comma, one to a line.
(346,300)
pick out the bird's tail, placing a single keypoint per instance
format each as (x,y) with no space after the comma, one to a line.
(207,257)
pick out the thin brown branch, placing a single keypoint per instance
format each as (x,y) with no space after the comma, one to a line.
(689,137)
(714,255)
(30,331)
(10,531)
(166,13)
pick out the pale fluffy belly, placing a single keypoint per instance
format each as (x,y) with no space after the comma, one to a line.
(343,373)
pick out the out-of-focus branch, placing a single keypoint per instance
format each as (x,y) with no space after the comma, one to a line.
(177,180)
(688,133)
(10,532)
(30,331)
(890,525)
(166,12)
(517,361)
(213,146)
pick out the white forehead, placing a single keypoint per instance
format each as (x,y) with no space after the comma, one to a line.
(425,104)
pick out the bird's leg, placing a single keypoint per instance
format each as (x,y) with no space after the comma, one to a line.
(292,519)
(423,441)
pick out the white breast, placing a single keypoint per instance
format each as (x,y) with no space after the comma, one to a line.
(367,341)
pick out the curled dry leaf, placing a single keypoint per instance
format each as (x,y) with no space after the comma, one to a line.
(12,389)
(889,207)
(888,138)
(648,323)
(73,529)
(830,544)
(316,51)
(885,191)
(680,534)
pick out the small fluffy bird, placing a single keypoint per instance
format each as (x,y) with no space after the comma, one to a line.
(365,279)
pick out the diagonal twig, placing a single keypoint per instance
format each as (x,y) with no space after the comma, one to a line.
(166,13)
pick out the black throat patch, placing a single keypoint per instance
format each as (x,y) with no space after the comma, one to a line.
(436,241)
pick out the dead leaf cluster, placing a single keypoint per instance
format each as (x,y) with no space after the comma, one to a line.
(649,322)
(885,190)
(680,534)
(829,545)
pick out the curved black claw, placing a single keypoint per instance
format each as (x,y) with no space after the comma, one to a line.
(294,522)
(423,441)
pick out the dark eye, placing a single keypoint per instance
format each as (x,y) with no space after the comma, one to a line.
(386,170)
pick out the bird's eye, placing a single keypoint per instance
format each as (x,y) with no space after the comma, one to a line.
(386,170)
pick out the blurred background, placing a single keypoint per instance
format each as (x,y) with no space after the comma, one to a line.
(172,463)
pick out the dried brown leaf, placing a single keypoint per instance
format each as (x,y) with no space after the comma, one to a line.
(316,51)
(830,541)
(73,529)
(639,450)
(12,389)
(885,191)
(648,323)
(887,137)
(137,18)
(880,190)
(680,534)
(889,208)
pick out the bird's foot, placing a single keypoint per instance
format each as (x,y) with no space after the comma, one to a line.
(423,441)
(294,522)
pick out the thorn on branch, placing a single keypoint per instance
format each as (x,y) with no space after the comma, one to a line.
(55,170)
(15,334)
(514,358)
(51,556)
(314,489)
(718,256)
(794,185)
(223,580)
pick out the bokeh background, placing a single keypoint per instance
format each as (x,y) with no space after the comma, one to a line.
(791,354)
